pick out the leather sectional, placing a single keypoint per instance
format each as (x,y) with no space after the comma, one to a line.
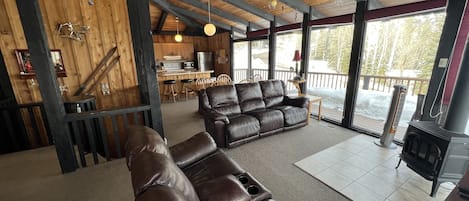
(236,114)
(192,170)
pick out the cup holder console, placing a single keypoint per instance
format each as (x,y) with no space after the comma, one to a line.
(253,187)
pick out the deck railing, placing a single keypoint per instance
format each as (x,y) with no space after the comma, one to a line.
(103,131)
(339,81)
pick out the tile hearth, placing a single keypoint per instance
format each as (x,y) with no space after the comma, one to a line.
(362,171)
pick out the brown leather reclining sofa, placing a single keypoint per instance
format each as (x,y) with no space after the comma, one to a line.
(192,170)
(236,114)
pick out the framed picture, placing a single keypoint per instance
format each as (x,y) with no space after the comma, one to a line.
(27,68)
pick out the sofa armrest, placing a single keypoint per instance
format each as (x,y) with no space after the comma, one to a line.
(224,188)
(216,116)
(299,101)
(193,149)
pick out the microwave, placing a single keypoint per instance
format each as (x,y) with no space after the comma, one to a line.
(188,64)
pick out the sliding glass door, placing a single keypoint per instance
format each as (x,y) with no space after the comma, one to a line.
(398,51)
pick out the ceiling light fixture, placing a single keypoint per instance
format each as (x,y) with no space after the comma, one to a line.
(177,37)
(209,29)
(273,4)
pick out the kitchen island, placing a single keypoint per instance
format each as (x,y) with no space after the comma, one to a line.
(180,75)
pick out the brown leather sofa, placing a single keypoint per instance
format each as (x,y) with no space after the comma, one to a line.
(189,171)
(236,114)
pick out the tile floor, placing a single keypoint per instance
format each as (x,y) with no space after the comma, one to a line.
(362,171)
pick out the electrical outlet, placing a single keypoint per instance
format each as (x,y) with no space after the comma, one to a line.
(443,63)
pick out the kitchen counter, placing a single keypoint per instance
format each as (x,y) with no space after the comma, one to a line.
(179,75)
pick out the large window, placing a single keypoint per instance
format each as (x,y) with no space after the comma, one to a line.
(328,67)
(241,61)
(260,58)
(285,67)
(397,51)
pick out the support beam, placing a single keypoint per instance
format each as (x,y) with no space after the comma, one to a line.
(140,26)
(36,38)
(221,13)
(231,53)
(167,7)
(305,49)
(454,14)
(249,72)
(300,5)
(355,58)
(272,45)
(161,21)
(205,19)
(256,11)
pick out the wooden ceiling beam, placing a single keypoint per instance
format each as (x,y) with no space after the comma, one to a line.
(256,11)
(300,5)
(204,18)
(221,13)
(167,7)
(161,21)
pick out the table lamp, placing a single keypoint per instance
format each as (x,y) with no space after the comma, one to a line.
(297,58)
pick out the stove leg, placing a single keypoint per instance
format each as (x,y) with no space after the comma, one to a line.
(399,163)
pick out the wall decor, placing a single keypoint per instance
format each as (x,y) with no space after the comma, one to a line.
(27,68)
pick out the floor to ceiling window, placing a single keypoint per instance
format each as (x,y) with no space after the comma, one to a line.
(398,51)
(260,58)
(241,61)
(285,67)
(328,67)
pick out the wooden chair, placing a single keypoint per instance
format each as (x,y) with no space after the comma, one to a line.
(256,78)
(202,83)
(223,79)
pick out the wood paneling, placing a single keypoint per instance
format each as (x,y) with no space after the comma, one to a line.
(200,43)
(220,45)
(109,27)
(185,50)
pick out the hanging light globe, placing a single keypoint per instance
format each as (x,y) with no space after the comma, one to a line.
(178,37)
(210,29)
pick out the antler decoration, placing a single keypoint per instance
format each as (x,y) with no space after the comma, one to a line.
(72,31)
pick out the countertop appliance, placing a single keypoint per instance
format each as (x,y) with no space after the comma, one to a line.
(204,61)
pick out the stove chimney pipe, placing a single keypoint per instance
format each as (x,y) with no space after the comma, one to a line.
(458,112)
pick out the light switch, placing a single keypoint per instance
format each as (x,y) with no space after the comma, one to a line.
(443,63)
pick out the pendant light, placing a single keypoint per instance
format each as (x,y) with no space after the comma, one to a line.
(209,29)
(273,4)
(177,37)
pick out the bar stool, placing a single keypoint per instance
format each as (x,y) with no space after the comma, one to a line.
(169,89)
(185,87)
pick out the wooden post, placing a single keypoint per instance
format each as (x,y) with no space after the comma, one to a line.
(305,48)
(36,39)
(249,71)
(272,44)
(139,17)
(355,57)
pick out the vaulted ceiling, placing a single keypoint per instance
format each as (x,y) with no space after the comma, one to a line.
(239,14)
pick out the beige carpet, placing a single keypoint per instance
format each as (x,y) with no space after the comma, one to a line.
(34,175)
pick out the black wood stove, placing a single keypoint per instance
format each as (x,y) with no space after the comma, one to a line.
(434,153)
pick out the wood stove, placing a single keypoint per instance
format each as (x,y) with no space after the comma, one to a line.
(434,153)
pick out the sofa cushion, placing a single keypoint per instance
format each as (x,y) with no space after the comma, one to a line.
(210,167)
(142,138)
(242,126)
(223,99)
(273,92)
(223,188)
(250,96)
(293,115)
(193,149)
(150,169)
(161,193)
(268,119)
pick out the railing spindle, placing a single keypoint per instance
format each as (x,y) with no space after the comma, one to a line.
(77,137)
(103,132)
(116,136)
(91,139)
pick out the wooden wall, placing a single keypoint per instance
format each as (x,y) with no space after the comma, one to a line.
(220,45)
(109,27)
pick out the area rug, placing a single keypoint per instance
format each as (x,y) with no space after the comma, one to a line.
(361,170)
